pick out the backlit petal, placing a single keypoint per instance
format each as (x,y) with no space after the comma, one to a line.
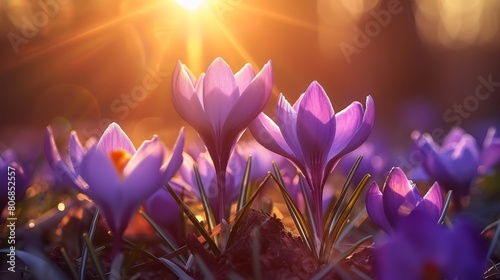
(375,207)
(220,92)
(114,138)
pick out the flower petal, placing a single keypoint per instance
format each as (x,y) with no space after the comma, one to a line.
(348,122)
(251,102)
(452,138)
(186,101)
(267,133)
(244,77)
(144,177)
(315,123)
(462,162)
(432,204)
(100,174)
(433,163)
(58,165)
(174,162)
(399,196)
(220,92)
(76,151)
(114,138)
(375,207)
(363,130)
(286,119)
(491,152)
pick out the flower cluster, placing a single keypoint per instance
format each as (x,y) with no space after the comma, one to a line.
(421,237)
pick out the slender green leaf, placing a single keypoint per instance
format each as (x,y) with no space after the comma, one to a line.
(342,220)
(194,220)
(176,269)
(493,244)
(335,204)
(146,253)
(445,207)
(85,250)
(302,227)
(94,257)
(159,231)
(361,216)
(70,264)
(163,235)
(308,204)
(244,211)
(245,183)
(490,226)
(209,213)
(331,265)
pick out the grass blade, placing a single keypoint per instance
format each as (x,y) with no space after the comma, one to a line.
(331,265)
(94,257)
(339,224)
(335,204)
(194,220)
(69,263)
(362,215)
(307,203)
(298,219)
(85,250)
(176,269)
(445,207)
(493,244)
(209,213)
(161,233)
(146,253)
(245,183)
(244,211)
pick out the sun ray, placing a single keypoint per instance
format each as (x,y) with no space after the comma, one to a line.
(53,47)
(241,50)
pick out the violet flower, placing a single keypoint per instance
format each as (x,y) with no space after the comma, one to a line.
(458,161)
(313,137)
(220,105)
(186,181)
(13,179)
(422,249)
(399,199)
(116,176)
(165,211)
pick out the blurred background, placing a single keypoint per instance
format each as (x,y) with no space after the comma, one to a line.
(81,64)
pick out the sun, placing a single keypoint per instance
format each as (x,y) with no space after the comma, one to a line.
(190,4)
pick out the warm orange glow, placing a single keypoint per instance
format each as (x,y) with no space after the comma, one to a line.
(120,159)
(190,4)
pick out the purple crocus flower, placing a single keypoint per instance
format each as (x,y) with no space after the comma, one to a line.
(187,180)
(220,105)
(422,249)
(13,179)
(399,199)
(458,161)
(116,176)
(313,137)
(165,211)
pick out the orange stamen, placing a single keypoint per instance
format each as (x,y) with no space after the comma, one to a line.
(120,159)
